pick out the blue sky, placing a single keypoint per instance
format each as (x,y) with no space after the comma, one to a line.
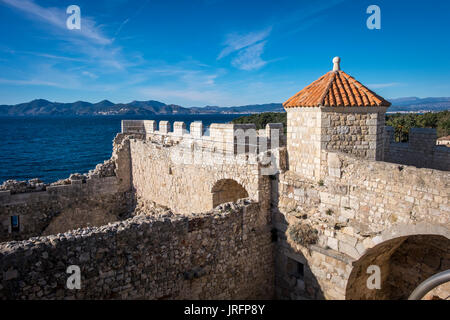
(218,52)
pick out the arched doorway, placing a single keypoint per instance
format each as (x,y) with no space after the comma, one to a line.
(404,263)
(227,190)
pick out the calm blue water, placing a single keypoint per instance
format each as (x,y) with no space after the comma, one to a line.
(53,148)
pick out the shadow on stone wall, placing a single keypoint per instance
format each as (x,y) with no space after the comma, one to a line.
(294,279)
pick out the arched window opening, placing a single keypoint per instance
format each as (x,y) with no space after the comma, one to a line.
(227,190)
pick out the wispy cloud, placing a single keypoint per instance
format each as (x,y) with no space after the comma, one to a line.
(250,57)
(186,82)
(124,22)
(89,41)
(189,72)
(383,85)
(235,42)
(313,12)
(39,75)
(44,55)
(57,18)
(89,74)
(248,49)
(31,82)
(177,95)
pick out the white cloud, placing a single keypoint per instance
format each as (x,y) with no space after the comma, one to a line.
(57,18)
(235,42)
(250,57)
(89,74)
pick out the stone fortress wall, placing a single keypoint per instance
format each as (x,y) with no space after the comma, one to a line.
(340,209)
(188,171)
(222,254)
(351,210)
(420,150)
(355,207)
(223,138)
(94,199)
(178,255)
(59,208)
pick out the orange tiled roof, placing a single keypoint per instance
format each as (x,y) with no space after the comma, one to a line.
(335,89)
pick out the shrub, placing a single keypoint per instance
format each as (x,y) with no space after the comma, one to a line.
(303,234)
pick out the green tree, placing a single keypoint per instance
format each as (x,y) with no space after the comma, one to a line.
(261,119)
(402,123)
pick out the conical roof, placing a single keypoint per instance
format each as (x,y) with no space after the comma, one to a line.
(336,89)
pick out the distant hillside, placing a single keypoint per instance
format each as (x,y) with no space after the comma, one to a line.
(41,107)
(414,104)
(253,108)
(80,108)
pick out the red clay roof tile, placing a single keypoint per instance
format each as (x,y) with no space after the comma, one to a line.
(336,89)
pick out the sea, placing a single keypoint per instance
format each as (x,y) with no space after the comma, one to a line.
(52,148)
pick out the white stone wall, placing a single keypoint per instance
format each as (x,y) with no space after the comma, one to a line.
(353,130)
(303,140)
(158,176)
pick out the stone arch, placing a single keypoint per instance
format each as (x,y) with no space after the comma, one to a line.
(86,214)
(227,190)
(421,228)
(404,261)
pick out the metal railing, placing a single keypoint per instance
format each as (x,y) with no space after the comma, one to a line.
(429,284)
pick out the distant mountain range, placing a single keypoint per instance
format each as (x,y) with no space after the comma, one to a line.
(41,107)
(414,104)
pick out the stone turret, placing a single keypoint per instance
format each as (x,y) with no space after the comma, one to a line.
(334,113)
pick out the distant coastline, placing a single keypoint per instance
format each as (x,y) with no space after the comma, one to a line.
(42,107)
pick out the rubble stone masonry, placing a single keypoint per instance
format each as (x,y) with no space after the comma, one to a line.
(354,206)
(62,207)
(222,254)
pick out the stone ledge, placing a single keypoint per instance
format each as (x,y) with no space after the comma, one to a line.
(332,254)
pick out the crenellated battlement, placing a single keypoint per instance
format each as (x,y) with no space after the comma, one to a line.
(227,137)
(420,150)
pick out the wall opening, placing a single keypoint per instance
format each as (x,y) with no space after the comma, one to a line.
(295,269)
(404,263)
(15,224)
(227,190)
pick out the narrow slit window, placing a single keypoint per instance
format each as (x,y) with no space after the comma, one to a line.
(295,268)
(300,270)
(15,224)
